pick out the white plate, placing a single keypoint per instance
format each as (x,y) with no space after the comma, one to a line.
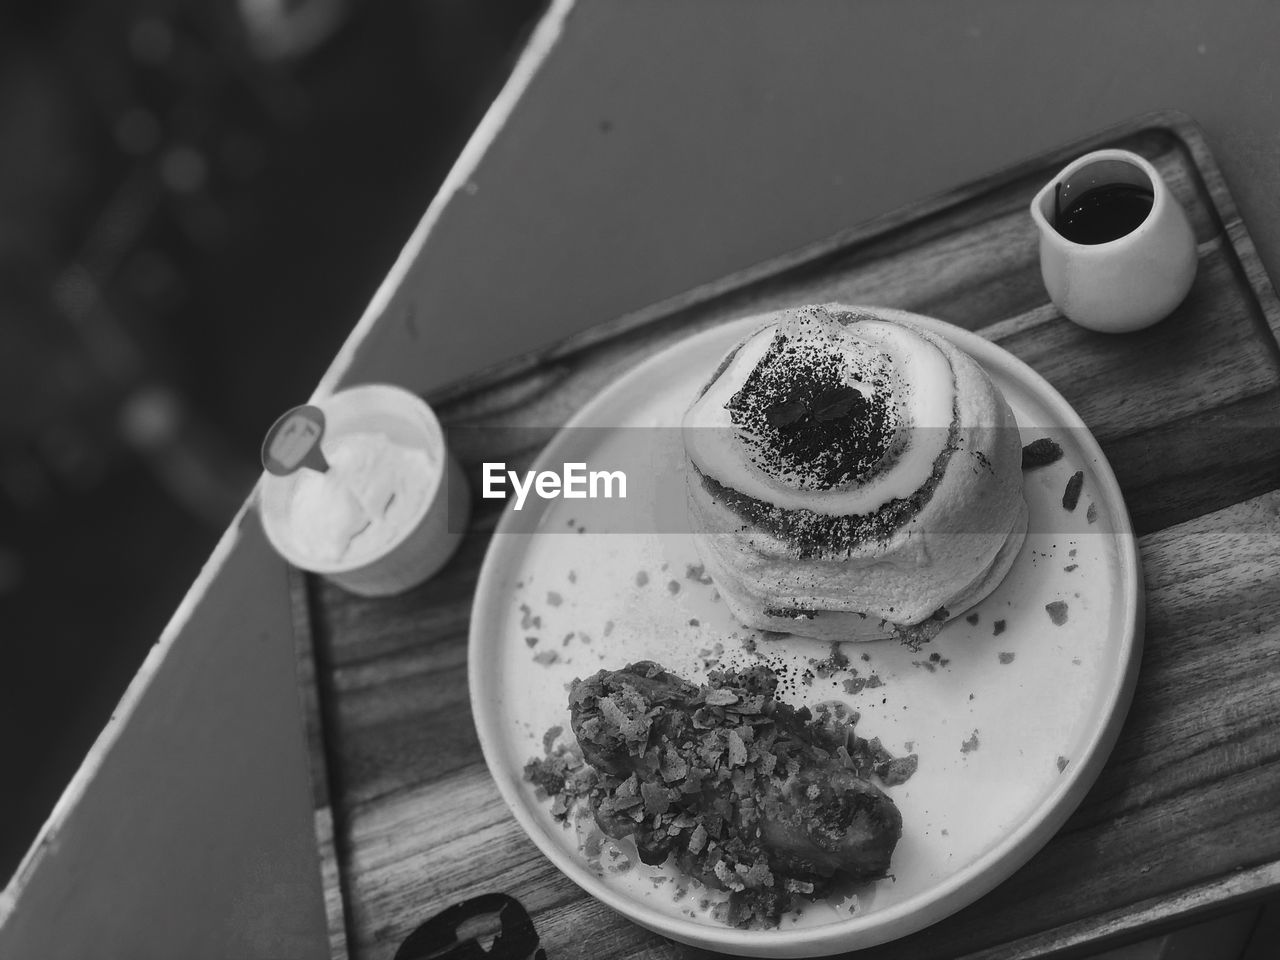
(992,722)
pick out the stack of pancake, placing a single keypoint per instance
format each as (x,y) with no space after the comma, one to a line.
(852,476)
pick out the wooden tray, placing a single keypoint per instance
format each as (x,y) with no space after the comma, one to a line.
(1182,820)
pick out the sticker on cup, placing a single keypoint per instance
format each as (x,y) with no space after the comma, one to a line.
(293,442)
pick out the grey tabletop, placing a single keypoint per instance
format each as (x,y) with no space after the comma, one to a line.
(666,144)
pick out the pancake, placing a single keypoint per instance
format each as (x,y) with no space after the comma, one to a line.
(852,476)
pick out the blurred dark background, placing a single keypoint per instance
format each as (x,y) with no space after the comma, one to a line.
(197,200)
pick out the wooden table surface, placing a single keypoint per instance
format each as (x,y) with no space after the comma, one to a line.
(1184,817)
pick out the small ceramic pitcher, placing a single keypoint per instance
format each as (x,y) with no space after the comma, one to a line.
(1125,283)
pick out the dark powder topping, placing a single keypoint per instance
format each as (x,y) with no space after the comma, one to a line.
(804,421)
(813,535)
(789,613)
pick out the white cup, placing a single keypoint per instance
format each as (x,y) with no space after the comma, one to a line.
(422,539)
(1123,284)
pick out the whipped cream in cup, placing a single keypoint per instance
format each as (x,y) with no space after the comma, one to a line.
(377,522)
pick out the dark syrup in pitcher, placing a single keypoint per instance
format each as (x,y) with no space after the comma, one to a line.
(1104,213)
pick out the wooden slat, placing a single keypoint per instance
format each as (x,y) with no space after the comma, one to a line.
(1187,412)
